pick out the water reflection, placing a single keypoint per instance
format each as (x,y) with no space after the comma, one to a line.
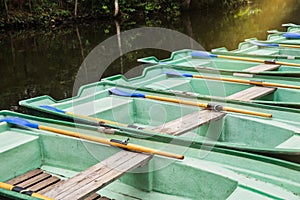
(46,62)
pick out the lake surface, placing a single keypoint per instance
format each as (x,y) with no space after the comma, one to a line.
(45,62)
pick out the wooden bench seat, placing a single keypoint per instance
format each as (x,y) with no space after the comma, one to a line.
(251,93)
(96,177)
(40,182)
(188,122)
(261,68)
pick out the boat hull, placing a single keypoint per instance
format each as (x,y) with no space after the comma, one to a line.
(236,131)
(236,174)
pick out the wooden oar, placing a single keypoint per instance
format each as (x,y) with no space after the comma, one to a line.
(21,190)
(265,44)
(191,103)
(100,121)
(210,55)
(252,82)
(112,142)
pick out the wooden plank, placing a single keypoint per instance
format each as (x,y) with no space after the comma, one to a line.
(189,122)
(43,184)
(99,175)
(34,180)
(43,191)
(251,93)
(108,177)
(261,68)
(89,172)
(25,177)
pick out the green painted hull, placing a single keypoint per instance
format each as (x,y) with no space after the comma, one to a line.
(278,135)
(278,38)
(183,59)
(155,78)
(203,174)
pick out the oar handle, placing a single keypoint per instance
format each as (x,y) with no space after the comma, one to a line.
(246,59)
(10,187)
(191,103)
(139,148)
(206,105)
(280,85)
(289,45)
(247,112)
(132,147)
(253,82)
(287,64)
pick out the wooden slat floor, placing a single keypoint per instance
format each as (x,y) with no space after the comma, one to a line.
(41,182)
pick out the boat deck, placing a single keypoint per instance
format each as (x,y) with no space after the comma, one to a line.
(40,181)
(86,183)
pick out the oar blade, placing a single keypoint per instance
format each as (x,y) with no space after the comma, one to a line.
(174,74)
(119,92)
(263,44)
(203,54)
(20,122)
(291,35)
(52,108)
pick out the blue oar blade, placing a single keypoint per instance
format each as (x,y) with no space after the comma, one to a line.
(52,108)
(118,92)
(177,74)
(291,35)
(203,54)
(174,74)
(263,44)
(20,122)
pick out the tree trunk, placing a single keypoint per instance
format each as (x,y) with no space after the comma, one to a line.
(6,10)
(116,8)
(29,5)
(118,28)
(75,9)
(80,42)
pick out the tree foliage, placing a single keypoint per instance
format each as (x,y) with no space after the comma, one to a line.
(49,12)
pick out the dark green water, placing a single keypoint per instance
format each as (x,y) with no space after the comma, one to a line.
(39,62)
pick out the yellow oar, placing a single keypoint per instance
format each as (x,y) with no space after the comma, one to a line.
(21,190)
(210,55)
(191,103)
(253,82)
(112,142)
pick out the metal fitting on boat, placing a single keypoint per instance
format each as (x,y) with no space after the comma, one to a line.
(215,107)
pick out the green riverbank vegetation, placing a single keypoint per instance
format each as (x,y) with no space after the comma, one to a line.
(47,13)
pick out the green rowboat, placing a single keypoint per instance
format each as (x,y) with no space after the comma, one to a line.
(48,163)
(276,47)
(184,59)
(167,78)
(278,135)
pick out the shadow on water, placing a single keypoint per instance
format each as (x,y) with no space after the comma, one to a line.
(37,62)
